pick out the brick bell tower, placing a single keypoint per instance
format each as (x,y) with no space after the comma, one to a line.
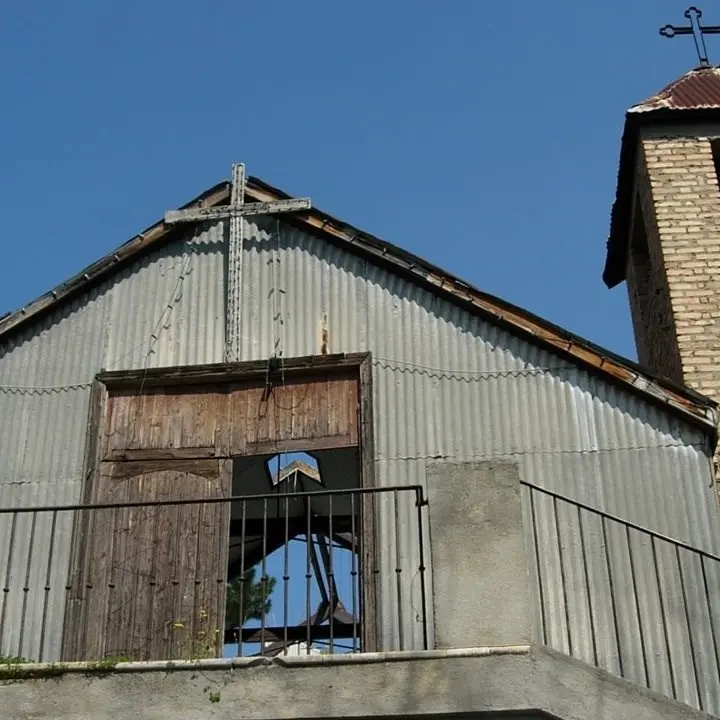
(665,230)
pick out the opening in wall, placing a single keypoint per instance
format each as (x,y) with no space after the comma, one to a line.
(294,559)
(640,257)
(715,149)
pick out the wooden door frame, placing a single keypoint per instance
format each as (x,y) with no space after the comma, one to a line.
(226,374)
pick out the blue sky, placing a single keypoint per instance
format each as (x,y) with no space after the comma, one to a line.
(482,136)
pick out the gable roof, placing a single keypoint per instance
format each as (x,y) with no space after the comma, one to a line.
(692,98)
(532,328)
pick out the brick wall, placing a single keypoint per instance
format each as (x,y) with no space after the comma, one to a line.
(648,288)
(674,284)
(683,230)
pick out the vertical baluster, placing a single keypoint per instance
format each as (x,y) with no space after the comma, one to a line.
(398,571)
(421,569)
(243,520)
(286,577)
(263,579)
(331,576)
(308,575)
(353,572)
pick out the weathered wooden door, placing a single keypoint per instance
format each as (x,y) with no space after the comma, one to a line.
(149,582)
(151,579)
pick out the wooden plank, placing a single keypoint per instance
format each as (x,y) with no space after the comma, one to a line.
(122,579)
(204,468)
(221,531)
(301,445)
(317,420)
(100,577)
(144,538)
(186,568)
(210,581)
(168,419)
(370,589)
(204,582)
(154,454)
(237,419)
(164,563)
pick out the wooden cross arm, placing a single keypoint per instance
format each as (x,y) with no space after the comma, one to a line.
(223,211)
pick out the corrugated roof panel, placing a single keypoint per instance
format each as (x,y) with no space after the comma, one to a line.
(698,89)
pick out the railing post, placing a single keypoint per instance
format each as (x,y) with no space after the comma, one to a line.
(481,595)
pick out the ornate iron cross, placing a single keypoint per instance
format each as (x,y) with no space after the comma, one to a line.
(696,29)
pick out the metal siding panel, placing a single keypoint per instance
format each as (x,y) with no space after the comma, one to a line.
(169,308)
(449,385)
(45,375)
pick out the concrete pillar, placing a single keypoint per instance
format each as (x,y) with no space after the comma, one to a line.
(481,587)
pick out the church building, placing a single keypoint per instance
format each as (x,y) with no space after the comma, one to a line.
(259,463)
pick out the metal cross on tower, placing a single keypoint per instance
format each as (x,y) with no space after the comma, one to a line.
(235,211)
(696,29)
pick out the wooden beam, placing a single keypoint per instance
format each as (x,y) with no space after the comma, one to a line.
(222,373)
(151,454)
(328,442)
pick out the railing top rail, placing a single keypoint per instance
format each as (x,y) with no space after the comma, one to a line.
(626,523)
(416,489)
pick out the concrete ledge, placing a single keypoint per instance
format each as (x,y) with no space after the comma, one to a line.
(536,681)
(24,671)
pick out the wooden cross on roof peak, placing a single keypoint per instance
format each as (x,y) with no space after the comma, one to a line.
(237,207)
(235,211)
(696,29)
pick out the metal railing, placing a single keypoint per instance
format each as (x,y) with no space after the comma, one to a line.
(619,596)
(280,573)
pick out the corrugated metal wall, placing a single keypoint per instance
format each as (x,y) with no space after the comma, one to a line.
(449,386)
(167,309)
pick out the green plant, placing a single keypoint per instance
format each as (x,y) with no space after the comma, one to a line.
(248,599)
(214,697)
(12,660)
